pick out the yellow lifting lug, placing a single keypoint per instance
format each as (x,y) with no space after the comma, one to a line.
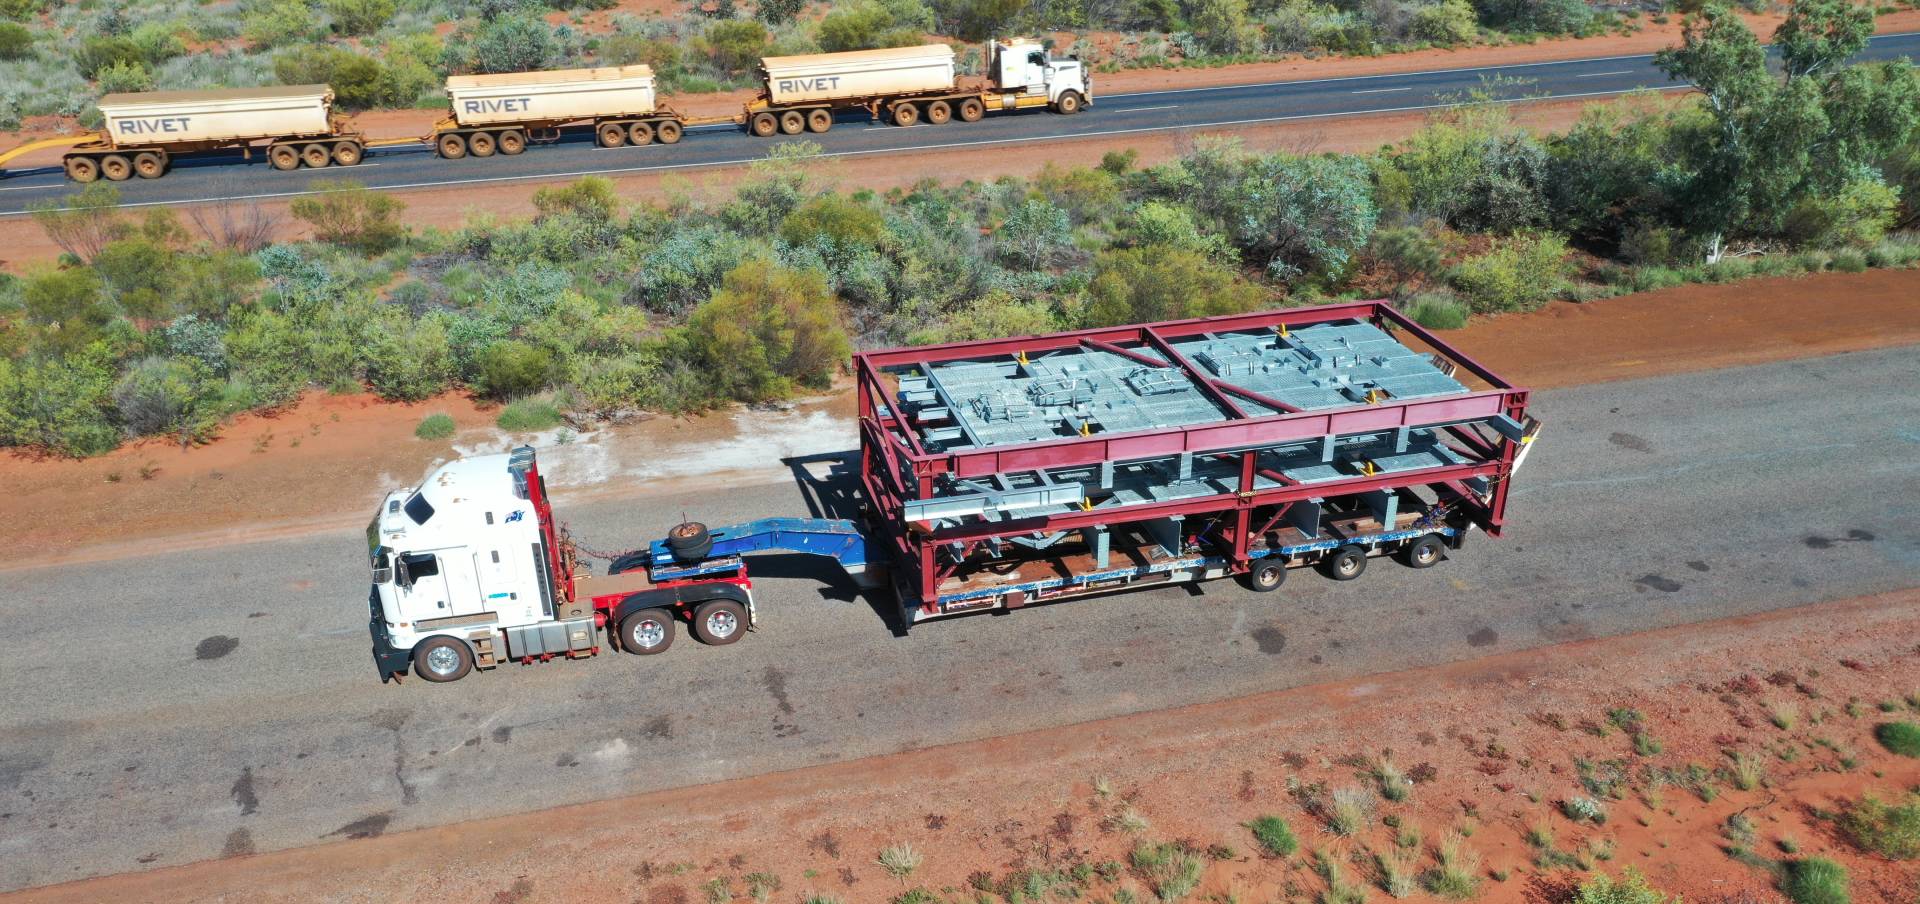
(1086,505)
(1367,467)
(1086,428)
(1283,331)
(1022,357)
(1245,495)
(1376,396)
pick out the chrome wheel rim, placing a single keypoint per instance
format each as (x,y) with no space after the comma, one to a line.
(722,624)
(1348,564)
(1425,553)
(443,660)
(648,634)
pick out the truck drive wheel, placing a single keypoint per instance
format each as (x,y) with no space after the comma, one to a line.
(613,135)
(719,622)
(1266,575)
(149,165)
(647,632)
(763,125)
(689,541)
(1422,553)
(480,144)
(1068,104)
(938,113)
(316,156)
(82,169)
(440,659)
(115,167)
(512,142)
(284,157)
(640,134)
(348,153)
(1345,563)
(793,122)
(819,120)
(905,115)
(972,109)
(668,132)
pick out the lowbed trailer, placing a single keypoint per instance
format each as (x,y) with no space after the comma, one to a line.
(1004,473)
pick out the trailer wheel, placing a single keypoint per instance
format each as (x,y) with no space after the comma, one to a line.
(763,125)
(481,144)
(82,169)
(793,122)
(647,632)
(939,112)
(819,120)
(116,167)
(1345,563)
(1422,553)
(905,115)
(348,153)
(639,134)
(668,132)
(285,157)
(689,541)
(719,622)
(316,156)
(149,165)
(1068,104)
(440,659)
(512,142)
(972,109)
(613,135)
(1266,575)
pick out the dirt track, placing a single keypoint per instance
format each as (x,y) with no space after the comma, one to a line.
(1496,741)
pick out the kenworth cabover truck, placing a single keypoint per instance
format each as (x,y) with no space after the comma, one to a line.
(1005,473)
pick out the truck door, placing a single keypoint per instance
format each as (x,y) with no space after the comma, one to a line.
(422,588)
(464,596)
(500,584)
(1039,74)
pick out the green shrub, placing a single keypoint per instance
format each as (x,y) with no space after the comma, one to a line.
(1630,888)
(835,219)
(1152,283)
(513,368)
(435,426)
(1518,274)
(59,405)
(410,360)
(1892,831)
(359,82)
(124,76)
(593,198)
(345,213)
(528,416)
(16,42)
(1274,836)
(519,41)
(1817,880)
(359,17)
(276,23)
(736,44)
(1410,252)
(1849,260)
(178,397)
(1446,23)
(1170,869)
(767,329)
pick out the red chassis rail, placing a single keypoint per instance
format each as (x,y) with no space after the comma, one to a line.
(896,467)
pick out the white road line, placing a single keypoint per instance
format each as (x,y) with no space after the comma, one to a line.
(1145,109)
(741,161)
(1598,74)
(1383,90)
(26,187)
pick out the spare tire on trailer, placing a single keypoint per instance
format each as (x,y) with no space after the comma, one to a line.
(689,541)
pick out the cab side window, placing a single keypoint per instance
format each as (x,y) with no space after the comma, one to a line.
(422,566)
(1037,58)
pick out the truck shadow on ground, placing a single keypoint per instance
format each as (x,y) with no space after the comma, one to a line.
(829,485)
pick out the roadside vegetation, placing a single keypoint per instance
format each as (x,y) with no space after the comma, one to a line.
(602,304)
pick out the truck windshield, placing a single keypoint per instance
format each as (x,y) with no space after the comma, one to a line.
(418,509)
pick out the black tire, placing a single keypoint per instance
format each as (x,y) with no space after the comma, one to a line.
(939,112)
(1266,575)
(668,132)
(647,632)
(690,541)
(633,561)
(1069,103)
(316,156)
(1425,552)
(719,622)
(819,120)
(512,142)
(971,110)
(149,165)
(348,153)
(905,115)
(763,125)
(793,122)
(482,144)
(640,134)
(453,147)
(431,665)
(612,135)
(1345,563)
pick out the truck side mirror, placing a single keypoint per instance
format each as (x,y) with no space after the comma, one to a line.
(382,575)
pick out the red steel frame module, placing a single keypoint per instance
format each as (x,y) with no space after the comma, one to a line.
(891,451)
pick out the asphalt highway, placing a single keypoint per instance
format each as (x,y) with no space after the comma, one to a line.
(163,709)
(219,176)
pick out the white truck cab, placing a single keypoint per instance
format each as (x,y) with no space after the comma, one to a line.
(1022,68)
(462,557)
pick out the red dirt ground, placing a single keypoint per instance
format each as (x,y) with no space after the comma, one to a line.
(1496,746)
(321,463)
